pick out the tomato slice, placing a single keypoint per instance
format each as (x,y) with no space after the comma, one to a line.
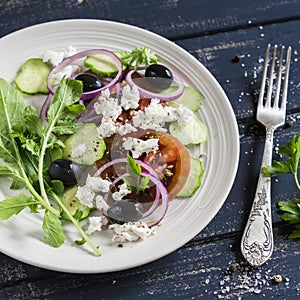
(171,162)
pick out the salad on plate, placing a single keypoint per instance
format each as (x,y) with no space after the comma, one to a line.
(110,147)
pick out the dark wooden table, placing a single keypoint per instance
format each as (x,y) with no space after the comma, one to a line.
(214,32)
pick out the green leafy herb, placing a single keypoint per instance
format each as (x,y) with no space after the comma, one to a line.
(291,154)
(136,182)
(28,146)
(138,57)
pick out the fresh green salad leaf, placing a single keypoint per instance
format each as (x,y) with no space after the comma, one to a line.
(138,57)
(291,153)
(136,182)
(53,231)
(13,205)
(28,146)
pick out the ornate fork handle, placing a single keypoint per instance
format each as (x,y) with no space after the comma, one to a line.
(257,241)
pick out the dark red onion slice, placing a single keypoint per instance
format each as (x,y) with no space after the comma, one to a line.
(124,160)
(160,205)
(163,97)
(71,59)
(45,107)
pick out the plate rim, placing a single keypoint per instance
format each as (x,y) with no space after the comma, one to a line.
(212,80)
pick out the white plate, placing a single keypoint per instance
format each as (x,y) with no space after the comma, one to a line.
(22,237)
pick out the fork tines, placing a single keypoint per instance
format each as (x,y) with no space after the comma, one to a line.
(272,96)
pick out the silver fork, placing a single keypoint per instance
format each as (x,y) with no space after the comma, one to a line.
(257,241)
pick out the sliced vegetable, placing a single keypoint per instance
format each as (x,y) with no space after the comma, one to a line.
(32,78)
(102,64)
(72,60)
(84,146)
(178,85)
(190,98)
(154,211)
(73,205)
(195,132)
(193,181)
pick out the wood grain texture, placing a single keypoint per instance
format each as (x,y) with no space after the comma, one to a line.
(171,18)
(214,32)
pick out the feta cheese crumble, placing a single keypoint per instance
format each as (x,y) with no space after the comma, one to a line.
(86,193)
(138,146)
(131,231)
(130,97)
(154,116)
(122,192)
(54,58)
(108,107)
(97,184)
(96,223)
(85,196)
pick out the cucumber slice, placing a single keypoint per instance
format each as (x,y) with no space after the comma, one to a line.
(74,206)
(102,65)
(190,98)
(194,133)
(193,182)
(32,78)
(85,138)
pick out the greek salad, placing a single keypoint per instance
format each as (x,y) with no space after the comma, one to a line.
(109,148)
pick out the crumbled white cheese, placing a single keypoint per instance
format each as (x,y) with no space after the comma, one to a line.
(96,223)
(78,151)
(125,129)
(107,128)
(154,116)
(131,231)
(122,192)
(138,146)
(184,115)
(97,184)
(54,58)
(67,72)
(101,204)
(107,106)
(130,97)
(85,195)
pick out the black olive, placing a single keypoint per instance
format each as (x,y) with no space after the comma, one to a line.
(159,76)
(66,171)
(90,82)
(125,211)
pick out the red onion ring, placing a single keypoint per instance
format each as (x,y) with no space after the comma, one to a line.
(163,97)
(155,202)
(161,200)
(69,60)
(124,160)
(45,107)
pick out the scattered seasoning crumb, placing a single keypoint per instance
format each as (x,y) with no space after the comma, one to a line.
(289,124)
(278,278)
(233,267)
(236,59)
(120,245)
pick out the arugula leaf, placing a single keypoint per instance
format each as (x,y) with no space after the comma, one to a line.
(13,205)
(138,57)
(53,231)
(29,145)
